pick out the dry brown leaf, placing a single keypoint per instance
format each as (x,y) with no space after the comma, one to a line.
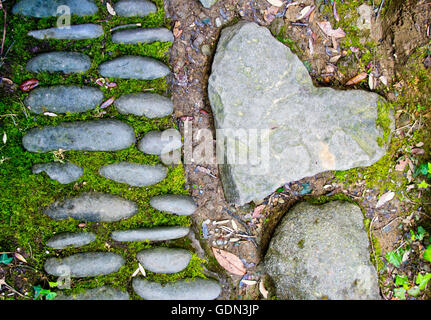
(356,79)
(327,29)
(401,166)
(262,290)
(276,3)
(229,261)
(258,211)
(388,196)
(20,257)
(110,9)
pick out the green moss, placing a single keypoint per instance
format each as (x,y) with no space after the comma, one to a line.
(24,195)
(384,121)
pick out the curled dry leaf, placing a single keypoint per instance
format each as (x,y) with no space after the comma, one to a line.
(177,31)
(356,79)
(49,114)
(305,12)
(334,12)
(110,9)
(388,196)
(258,211)
(418,151)
(402,164)
(276,3)
(327,29)
(20,257)
(107,103)
(262,289)
(29,85)
(229,261)
(372,81)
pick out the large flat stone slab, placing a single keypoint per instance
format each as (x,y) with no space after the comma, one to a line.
(62,99)
(100,135)
(90,206)
(178,204)
(147,35)
(273,125)
(50,8)
(134,8)
(160,142)
(164,260)
(134,67)
(70,239)
(151,234)
(322,252)
(134,174)
(64,173)
(88,264)
(198,289)
(59,61)
(99,293)
(150,105)
(75,32)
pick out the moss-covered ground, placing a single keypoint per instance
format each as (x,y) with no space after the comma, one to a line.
(24,227)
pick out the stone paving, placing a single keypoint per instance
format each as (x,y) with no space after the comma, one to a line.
(108,135)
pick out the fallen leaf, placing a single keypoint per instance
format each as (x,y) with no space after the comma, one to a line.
(356,79)
(249,282)
(141,268)
(29,84)
(401,166)
(305,12)
(49,114)
(177,31)
(388,196)
(276,3)
(384,80)
(110,9)
(4,137)
(334,11)
(327,29)
(258,211)
(372,81)
(262,290)
(20,257)
(234,225)
(420,144)
(418,151)
(229,261)
(107,103)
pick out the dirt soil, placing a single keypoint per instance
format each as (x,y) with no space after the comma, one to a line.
(196,31)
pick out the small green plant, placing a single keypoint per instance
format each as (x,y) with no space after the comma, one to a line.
(4,259)
(40,293)
(423,170)
(395,257)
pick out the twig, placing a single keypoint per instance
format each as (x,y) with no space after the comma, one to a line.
(243,223)
(4,28)
(380,8)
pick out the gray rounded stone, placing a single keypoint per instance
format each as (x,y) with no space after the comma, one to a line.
(164,260)
(274,126)
(88,264)
(134,67)
(62,99)
(49,8)
(64,173)
(75,32)
(160,142)
(99,293)
(181,205)
(67,239)
(60,61)
(99,135)
(148,35)
(208,3)
(150,105)
(134,8)
(134,174)
(97,207)
(197,289)
(322,252)
(152,234)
